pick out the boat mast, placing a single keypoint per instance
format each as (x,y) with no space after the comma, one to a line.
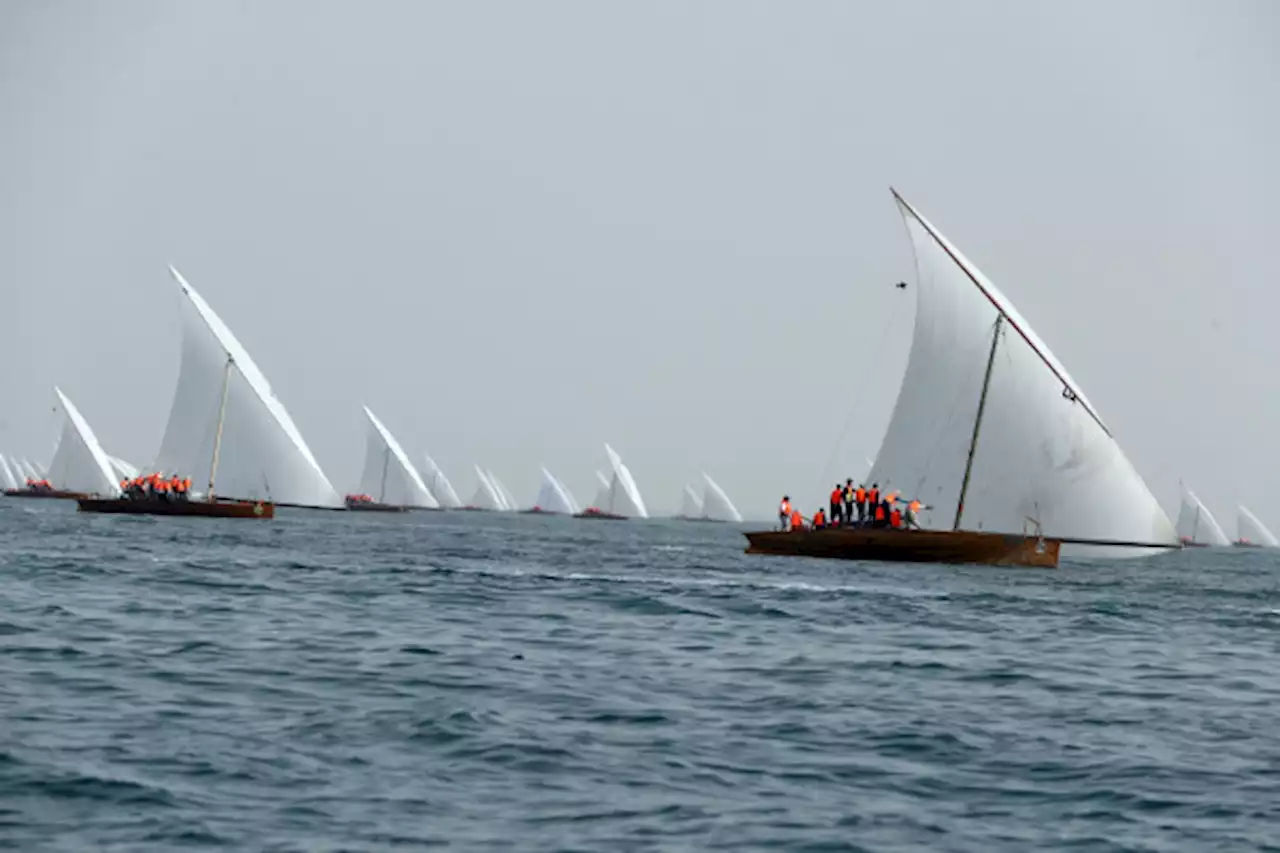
(222,411)
(977,421)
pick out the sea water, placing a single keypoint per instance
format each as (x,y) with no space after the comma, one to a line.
(478,681)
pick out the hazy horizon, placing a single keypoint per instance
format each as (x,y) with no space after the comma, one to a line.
(518,232)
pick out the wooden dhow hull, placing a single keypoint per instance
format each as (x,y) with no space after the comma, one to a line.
(909,546)
(205,509)
(595,513)
(374,506)
(52,493)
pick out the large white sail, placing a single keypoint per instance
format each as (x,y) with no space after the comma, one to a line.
(79,464)
(439,484)
(262,454)
(389,477)
(1251,531)
(690,503)
(716,504)
(1043,455)
(554,497)
(486,496)
(623,496)
(508,500)
(7,479)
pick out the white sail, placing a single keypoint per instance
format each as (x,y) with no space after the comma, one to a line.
(7,479)
(262,454)
(554,497)
(389,477)
(690,503)
(602,491)
(38,469)
(1043,454)
(716,504)
(1251,531)
(79,464)
(623,496)
(123,469)
(439,484)
(508,500)
(1196,525)
(486,496)
(29,470)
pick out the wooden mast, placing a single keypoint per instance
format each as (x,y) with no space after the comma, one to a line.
(977,421)
(222,411)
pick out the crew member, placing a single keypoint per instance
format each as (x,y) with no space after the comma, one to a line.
(911,518)
(796,521)
(819,520)
(895,516)
(784,513)
(849,495)
(860,498)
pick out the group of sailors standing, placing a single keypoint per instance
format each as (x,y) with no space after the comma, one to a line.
(35,485)
(156,486)
(856,506)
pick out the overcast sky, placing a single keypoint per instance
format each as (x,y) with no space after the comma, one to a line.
(519,230)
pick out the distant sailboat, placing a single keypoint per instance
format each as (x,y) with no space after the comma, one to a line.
(486,497)
(1252,533)
(690,505)
(229,430)
(389,482)
(439,484)
(991,430)
(553,498)
(508,500)
(621,497)
(80,466)
(1196,525)
(716,505)
(7,479)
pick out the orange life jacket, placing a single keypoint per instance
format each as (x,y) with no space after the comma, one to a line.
(873,495)
(895,518)
(819,519)
(797,520)
(879,512)
(785,509)
(835,496)
(914,506)
(860,494)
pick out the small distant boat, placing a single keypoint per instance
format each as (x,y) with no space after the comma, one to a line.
(7,479)
(487,498)
(619,498)
(690,505)
(989,423)
(1251,532)
(41,492)
(553,498)
(439,485)
(716,505)
(1196,526)
(79,467)
(389,482)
